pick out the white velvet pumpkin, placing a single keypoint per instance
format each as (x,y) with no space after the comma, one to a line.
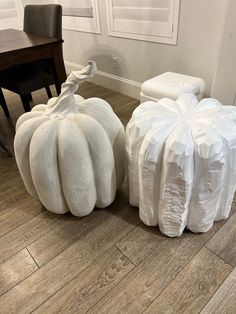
(182,162)
(70,152)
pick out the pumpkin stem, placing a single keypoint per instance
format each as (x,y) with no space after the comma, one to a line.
(65,102)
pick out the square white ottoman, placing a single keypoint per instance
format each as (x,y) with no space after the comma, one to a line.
(171,85)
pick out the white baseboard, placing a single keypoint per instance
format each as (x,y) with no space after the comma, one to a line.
(114,82)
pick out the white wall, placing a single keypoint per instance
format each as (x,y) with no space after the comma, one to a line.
(224,83)
(200,29)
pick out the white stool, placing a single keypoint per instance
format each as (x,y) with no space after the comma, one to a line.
(171,85)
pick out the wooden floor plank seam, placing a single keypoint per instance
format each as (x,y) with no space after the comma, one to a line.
(223,301)
(17,284)
(223,242)
(100,257)
(172,280)
(3,235)
(209,277)
(15,252)
(32,257)
(186,266)
(118,208)
(94,306)
(57,254)
(169,239)
(158,293)
(89,262)
(219,286)
(124,255)
(1,295)
(76,239)
(218,256)
(89,265)
(153,254)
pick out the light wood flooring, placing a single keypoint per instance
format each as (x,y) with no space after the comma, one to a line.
(108,262)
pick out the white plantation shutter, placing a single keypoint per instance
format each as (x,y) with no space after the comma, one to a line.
(80,15)
(26,2)
(151,20)
(81,8)
(10,14)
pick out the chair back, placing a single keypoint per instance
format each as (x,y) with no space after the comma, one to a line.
(44,20)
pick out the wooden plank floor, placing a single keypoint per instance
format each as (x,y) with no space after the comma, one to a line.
(108,262)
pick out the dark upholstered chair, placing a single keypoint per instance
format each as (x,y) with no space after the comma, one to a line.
(44,20)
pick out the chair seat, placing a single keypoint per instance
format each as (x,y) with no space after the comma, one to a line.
(26,78)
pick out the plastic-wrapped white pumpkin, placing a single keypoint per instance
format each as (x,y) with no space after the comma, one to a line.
(70,152)
(182,162)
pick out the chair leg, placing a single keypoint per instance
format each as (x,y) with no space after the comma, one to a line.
(5,147)
(29,97)
(25,102)
(3,104)
(48,92)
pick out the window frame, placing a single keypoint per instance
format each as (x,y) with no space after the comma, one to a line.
(150,38)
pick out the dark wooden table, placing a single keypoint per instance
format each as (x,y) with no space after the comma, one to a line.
(19,47)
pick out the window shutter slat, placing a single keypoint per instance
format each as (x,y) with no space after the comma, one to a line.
(141,14)
(82,12)
(82,8)
(76,4)
(10,14)
(7,5)
(144,28)
(141,3)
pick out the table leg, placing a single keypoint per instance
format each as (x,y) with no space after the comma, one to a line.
(58,67)
(3,104)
